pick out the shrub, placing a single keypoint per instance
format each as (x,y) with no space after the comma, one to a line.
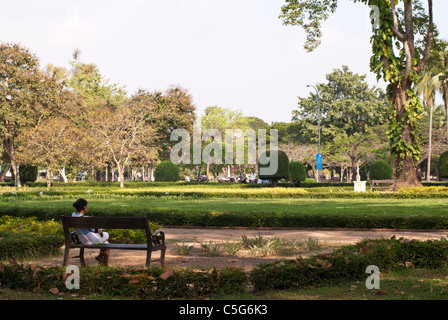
(443,166)
(130,283)
(282,167)
(25,238)
(166,171)
(349,263)
(28,173)
(380,170)
(297,171)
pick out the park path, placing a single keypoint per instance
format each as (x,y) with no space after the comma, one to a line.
(339,236)
(197,259)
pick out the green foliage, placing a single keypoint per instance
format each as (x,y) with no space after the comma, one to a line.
(398,57)
(443,165)
(28,173)
(349,263)
(25,238)
(282,166)
(166,171)
(297,171)
(147,284)
(380,170)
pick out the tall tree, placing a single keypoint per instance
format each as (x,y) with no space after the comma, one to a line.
(28,97)
(428,86)
(123,132)
(401,46)
(349,109)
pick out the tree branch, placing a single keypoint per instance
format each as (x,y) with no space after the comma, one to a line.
(401,36)
(429,37)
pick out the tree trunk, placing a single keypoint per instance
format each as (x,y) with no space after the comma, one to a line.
(63,175)
(406,169)
(120,175)
(445,99)
(15,169)
(151,172)
(48,177)
(431,108)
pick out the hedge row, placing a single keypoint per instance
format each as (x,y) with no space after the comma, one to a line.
(146,284)
(169,218)
(24,238)
(349,263)
(279,193)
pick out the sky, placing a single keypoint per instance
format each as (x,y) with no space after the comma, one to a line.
(235,54)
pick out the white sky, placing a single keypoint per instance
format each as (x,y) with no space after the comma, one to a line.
(230,53)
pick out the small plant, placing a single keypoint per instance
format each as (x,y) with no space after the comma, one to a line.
(232,248)
(212,249)
(257,241)
(311,244)
(183,249)
(267,247)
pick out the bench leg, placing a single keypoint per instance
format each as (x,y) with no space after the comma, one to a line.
(148,258)
(81,257)
(66,254)
(162,258)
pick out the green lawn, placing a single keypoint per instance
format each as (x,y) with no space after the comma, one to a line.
(377,207)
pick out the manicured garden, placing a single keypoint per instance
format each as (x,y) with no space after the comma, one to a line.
(30,227)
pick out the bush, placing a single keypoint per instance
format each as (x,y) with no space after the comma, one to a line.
(349,263)
(380,170)
(25,238)
(130,283)
(166,171)
(297,171)
(443,166)
(27,173)
(282,167)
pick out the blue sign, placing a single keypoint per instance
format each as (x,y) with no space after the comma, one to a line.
(319,158)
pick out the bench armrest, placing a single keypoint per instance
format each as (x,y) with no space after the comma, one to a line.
(74,237)
(158,238)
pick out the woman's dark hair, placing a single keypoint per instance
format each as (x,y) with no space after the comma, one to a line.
(79,204)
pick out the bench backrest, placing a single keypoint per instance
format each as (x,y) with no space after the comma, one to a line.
(106,222)
(135,223)
(383,181)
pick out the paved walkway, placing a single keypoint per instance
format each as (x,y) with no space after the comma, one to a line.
(334,236)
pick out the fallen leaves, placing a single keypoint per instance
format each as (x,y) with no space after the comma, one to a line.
(54,290)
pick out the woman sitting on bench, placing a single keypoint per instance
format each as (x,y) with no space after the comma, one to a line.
(91,236)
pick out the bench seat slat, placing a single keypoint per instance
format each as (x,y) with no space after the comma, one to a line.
(116,246)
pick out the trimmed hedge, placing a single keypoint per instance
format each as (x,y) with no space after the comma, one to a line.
(349,263)
(24,238)
(380,170)
(166,171)
(443,166)
(297,171)
(169,218)
(133,283)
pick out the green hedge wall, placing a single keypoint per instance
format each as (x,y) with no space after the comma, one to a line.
(131,283)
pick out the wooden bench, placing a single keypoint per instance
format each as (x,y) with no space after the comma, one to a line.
(155,242)
(383,184)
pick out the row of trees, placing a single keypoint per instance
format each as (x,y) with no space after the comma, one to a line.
(68,120)
(58,119)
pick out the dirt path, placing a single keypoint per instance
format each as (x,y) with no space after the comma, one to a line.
(197,258)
